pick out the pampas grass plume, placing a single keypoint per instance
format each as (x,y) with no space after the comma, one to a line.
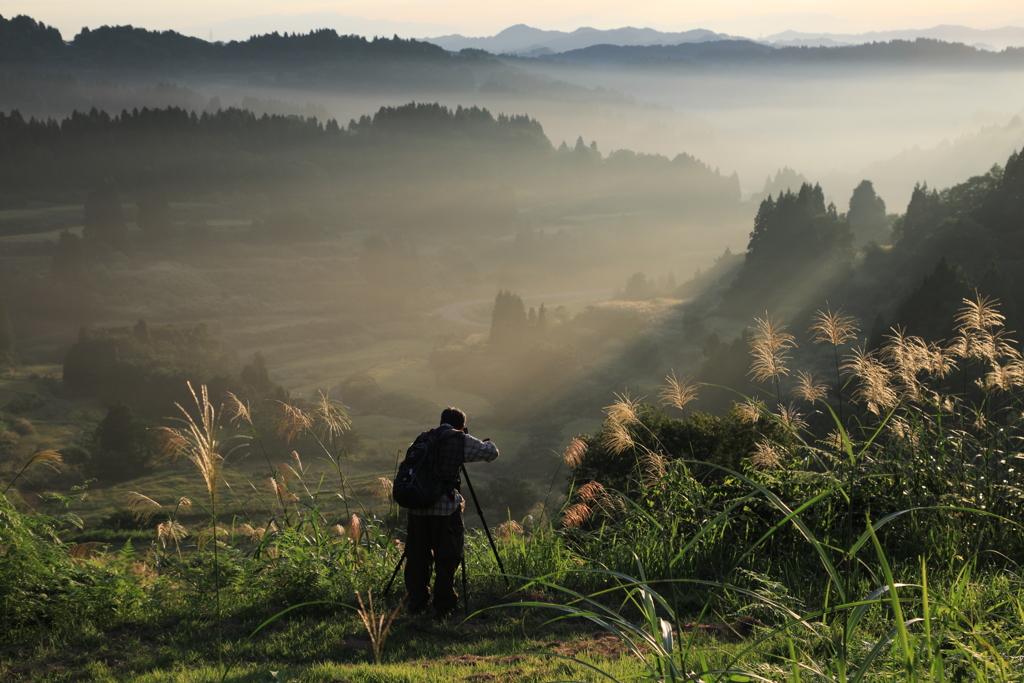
(769,346)
(292,421)
(833,328)
(809,388)
(574,453)
(576,515)
(678,393)
(142,507)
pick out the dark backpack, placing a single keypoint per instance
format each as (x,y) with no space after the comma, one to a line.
(418,483)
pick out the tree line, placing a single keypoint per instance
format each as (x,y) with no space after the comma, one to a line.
(232,145)
(920,53)
(397,148)
(24,41)
(908,276)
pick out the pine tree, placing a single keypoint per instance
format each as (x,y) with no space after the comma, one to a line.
(930,310)
(509,320)
(924,213)
(122,446)
(867,215)
(255,376)
(797,240)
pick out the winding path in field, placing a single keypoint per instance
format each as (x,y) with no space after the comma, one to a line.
(453,312)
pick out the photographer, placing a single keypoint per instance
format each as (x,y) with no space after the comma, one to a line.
(434,544)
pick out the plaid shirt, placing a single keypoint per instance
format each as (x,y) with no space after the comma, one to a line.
(456,450)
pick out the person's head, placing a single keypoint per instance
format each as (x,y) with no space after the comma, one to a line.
(454,417)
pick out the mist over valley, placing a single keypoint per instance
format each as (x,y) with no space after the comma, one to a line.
(687,282)
(330,248)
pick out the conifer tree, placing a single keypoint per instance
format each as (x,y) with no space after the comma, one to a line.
(122,446)
(867,215)
(930,309)
(509,320)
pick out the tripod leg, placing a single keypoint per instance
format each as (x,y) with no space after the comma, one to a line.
(398,566)
(479,511)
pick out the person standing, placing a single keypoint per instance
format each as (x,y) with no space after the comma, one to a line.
(435,536)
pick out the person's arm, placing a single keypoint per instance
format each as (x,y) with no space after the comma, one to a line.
(477,450)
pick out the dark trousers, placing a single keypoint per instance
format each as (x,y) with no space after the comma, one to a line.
(433,546)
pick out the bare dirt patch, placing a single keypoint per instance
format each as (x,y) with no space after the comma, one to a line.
(600,644)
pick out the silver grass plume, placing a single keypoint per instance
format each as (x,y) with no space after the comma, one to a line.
(678,393)
(574,453)
(833,328)
(873,377)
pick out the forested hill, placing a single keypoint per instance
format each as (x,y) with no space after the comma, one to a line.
(24,41)
(947,246)
(922,52)
(412,150)
(234,144)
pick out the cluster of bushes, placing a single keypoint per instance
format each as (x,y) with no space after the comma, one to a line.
(761,514)
(793,512)
(148,367)
(783,485)
(946,244)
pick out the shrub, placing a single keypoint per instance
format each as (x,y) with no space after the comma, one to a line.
(21,426)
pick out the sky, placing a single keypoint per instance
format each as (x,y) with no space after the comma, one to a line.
(487,17)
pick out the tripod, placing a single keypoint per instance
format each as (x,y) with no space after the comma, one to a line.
(490,539)
(487,529)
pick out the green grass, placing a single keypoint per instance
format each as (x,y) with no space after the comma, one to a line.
(314,649)
(784,545)
(59,423)
(959,615)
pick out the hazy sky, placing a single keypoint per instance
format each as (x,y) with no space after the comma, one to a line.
(486,17)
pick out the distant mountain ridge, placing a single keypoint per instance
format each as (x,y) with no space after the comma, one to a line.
(324,56)
(528,41)
(921,53)
(991,39)
(246,27)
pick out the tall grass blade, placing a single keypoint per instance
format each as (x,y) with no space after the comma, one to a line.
(897,607)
